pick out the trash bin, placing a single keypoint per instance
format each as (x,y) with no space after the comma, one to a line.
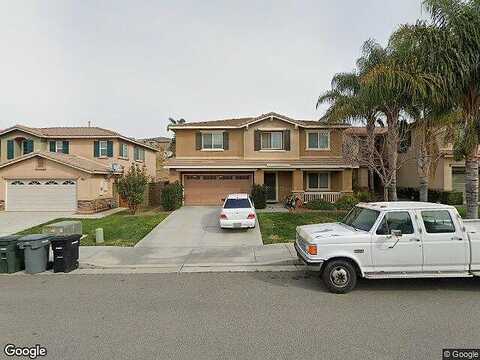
(65,252)
(37,247)
(11,257)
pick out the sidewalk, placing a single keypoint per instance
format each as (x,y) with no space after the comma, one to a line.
(275,257)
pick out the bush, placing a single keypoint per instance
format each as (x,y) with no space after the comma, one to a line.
(259,196)
(172,196)
(320,205)
(346,202)
(364,196)
(132,186)
(434,196)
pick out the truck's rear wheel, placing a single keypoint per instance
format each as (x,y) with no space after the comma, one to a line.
(339,276)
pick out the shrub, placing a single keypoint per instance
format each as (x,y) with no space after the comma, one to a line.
(319,205)
(172,196)
(454,198)
(435,196)
(346,202)
(132,186)
(259,196)
(364,196)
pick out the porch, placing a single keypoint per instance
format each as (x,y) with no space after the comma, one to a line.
(311,184)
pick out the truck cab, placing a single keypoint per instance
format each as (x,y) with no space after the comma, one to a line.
(391,240)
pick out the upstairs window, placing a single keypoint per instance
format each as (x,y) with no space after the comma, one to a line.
(139,154)
(103,148)
(124,150)
(318,140)
(272,140)
(59,146)
(27,146)
(10,149)
(212,140)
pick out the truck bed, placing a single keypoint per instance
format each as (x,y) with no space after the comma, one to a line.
(472,227)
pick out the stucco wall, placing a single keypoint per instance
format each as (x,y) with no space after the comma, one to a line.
(88,187)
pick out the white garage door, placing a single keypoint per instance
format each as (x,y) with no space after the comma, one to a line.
(41,195)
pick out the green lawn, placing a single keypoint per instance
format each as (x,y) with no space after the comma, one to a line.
(280,227)
(120,229)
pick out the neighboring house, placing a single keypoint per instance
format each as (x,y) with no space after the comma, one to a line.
(66,168)
(215,158)
(162,144)
(449,175)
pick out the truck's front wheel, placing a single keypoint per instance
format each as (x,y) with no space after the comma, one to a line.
(339,276)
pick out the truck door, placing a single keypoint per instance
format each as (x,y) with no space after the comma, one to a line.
(444,244)
(397,245)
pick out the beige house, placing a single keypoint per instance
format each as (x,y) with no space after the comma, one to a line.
(162,144)
(66,168)
(215,158)
(449,175)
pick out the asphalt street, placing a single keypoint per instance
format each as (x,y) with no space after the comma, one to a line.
(284,315)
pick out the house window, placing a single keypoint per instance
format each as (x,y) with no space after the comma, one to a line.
(27,146)
(103,146)
(319,181)
(318,140)
(138,154)
(272,140)
(124,150)
(10,149)
(59,146)
(212,140)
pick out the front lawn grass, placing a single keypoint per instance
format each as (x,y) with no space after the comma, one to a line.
(120,229)
(279,227)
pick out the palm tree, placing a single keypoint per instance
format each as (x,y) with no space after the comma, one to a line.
(456,28)
(348,103)
(173,144)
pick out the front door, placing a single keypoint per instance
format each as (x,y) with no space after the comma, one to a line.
(400,251)
(270,181)
(444,246)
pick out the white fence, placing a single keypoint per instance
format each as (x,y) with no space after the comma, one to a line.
(329,196)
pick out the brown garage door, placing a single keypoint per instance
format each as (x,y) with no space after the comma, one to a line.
(210,189)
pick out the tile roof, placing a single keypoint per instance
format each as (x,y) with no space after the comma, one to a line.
(73,132)
(327,162)
(75,161)
(240,122)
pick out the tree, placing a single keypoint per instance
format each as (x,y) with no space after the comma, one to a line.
(132,186)
(173,144)
(349,103)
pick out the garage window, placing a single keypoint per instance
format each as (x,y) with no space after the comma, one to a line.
(51,182)
(34,182)
(192,177)
(68,182)
(18,183)
(209,177)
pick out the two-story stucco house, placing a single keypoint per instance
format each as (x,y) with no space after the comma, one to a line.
(215,158)
(66,168)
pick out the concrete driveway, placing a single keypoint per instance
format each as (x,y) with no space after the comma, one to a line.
(198,227)
(12,222)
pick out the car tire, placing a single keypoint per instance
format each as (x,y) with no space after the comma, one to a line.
(339,276)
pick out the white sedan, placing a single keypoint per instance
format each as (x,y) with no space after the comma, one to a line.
(238,212)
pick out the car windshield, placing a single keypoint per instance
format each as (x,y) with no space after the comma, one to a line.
(361,218)
(237,204)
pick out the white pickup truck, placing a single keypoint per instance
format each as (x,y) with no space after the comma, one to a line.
(391,240)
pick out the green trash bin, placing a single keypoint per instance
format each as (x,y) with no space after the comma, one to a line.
(37,248)
(11,257)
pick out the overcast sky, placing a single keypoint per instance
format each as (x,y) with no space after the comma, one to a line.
(128,65)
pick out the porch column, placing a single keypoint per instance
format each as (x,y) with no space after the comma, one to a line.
(347,181)
(259,177)
(297,181)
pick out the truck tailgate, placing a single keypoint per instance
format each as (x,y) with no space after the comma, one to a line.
(472,228)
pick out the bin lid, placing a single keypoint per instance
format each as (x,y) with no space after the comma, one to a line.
(34,241)
(10,239)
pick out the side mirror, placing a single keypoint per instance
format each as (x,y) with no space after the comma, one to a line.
(396,233)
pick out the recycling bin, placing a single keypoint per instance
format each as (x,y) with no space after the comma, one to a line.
(11,257)
(65,252)
(36,247)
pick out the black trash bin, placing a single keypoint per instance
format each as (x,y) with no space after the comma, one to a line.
(65,252)
(11,257)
